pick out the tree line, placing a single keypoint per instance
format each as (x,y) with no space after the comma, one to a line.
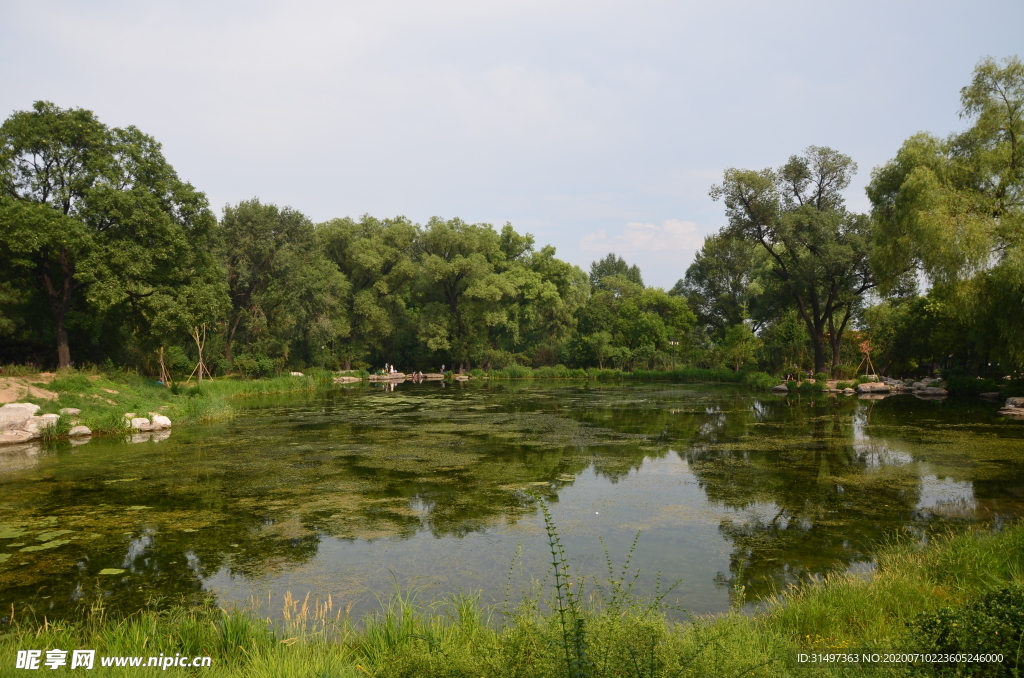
(108,257)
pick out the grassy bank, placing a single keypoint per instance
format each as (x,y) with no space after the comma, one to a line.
(919,599)
(105,397)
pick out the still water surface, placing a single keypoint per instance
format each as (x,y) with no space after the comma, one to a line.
(350,492)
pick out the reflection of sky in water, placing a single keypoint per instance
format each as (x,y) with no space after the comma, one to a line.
(947,496)
(679,541)
(874,453)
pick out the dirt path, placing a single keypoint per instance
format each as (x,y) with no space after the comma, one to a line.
(14,389)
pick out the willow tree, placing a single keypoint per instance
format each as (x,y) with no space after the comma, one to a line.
(96,215)
(376,257)
(819,252)
(284,291)
(953,210)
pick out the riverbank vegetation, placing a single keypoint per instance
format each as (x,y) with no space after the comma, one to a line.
(108,258)
(104,398)
(958,593)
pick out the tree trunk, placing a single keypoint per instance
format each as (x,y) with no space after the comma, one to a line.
(60,302)
(63,348)
(818,339)
(348,363)
(229,339)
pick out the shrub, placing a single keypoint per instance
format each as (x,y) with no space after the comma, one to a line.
(760,380)
(964,385)
(993,623)
(254,365)
(792,385)
(821,377)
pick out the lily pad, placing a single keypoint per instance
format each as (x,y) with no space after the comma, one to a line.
(111,570)
(49,536)
(138,508)
(48,545)
(4,556)
(8,532)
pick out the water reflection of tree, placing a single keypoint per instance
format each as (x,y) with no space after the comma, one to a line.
(803,482)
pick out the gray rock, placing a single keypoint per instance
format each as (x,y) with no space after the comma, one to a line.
(77,431)
(141,424)
(1015,402)
(781,388)
(35,424)
(991,395)
(932,392)
(297,374)
(14,415)
(71,411)
(848,391)
(13,437)
(873,387)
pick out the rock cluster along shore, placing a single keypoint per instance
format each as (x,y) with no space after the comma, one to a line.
(1014,408)
(925,388)
(19,423)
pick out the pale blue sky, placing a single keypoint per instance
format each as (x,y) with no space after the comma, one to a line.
(596,126)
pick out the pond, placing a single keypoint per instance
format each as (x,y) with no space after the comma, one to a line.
(351,492)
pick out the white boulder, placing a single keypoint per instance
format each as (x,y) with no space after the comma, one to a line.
(14,415)
(141,424)
(159,421)
(77,431)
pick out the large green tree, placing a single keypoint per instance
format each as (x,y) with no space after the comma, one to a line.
(953,210)
(376,257)
(285,293)
(95,214)
(723,284)
(819,252)
(458,289)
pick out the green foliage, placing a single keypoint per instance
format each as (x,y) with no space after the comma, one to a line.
(616,266)
(98,222)
(818,252)
(822,377)
(991,624)
(958,384)
(251,366)
(950,209)
(761,381)
(286,295)
(723,284)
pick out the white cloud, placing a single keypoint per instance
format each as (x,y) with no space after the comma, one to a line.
(674,239)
